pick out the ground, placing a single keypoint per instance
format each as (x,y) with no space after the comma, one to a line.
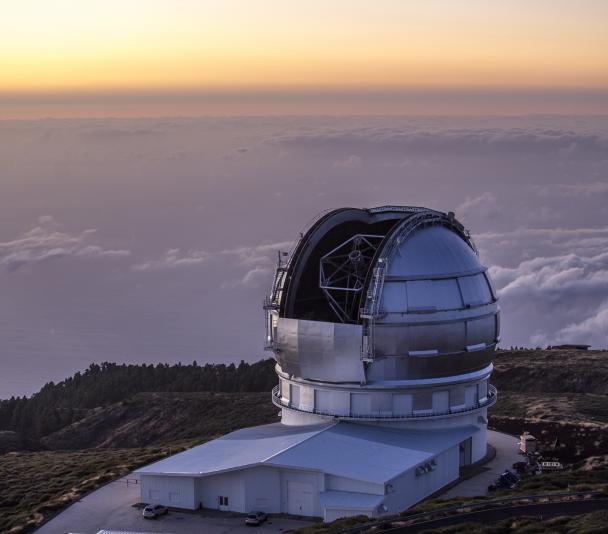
(111,507)
(506,455)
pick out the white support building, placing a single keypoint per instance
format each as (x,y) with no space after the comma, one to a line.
(330,470)
(383,324)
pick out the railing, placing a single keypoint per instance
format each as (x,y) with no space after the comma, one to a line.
(490,400)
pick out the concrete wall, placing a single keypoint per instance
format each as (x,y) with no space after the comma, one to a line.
(172,491)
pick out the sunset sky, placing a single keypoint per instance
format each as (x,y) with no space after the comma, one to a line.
(141,54)
(197,138)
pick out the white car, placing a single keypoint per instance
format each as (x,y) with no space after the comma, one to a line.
(255,518)
(152,511)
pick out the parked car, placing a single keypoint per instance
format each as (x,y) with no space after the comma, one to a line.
(255,518)
(152,511)
(505,481)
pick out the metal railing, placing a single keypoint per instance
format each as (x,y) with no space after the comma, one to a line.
(490,400)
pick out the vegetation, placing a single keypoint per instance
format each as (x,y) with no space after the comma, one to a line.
(57,405)
(156,418)
(588,523)
(34,485)
(111,418)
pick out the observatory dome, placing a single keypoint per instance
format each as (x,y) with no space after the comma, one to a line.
(382,295)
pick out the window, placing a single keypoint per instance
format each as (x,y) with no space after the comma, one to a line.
(174,497)
(223,501)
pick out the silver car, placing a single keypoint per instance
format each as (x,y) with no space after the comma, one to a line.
(152,511)
(255,518)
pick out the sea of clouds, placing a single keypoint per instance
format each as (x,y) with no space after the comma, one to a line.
(154,240)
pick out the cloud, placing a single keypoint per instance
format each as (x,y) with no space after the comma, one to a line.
(351,162)
(512,247)
(483,206)
(256,277)
(45,242)
(550,297)
(593,330)
(172,259)
(573,190)
(258,260)
(555,277)
(565,142)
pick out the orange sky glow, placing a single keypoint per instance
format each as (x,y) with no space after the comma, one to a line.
(121,46)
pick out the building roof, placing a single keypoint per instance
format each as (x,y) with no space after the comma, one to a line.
(243,448)
(362,452)
(366,452)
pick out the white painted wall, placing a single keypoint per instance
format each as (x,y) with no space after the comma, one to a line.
(408,489)
(479,439)
(172,491)
(231,485)
(262,489)
(332,401)
(441,401)
(337,483)
(316,480)
(402,404)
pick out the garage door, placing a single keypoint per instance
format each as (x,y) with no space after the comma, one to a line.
(299,498)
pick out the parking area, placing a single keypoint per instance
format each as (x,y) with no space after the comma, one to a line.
(111,508)
(507,453)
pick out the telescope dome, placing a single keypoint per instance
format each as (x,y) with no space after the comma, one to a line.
(382,295)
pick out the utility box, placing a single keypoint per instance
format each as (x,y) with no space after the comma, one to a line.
(528,444)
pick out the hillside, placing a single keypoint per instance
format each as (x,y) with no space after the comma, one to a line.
(113,418)
(24,422)
(560,396)
(158,418)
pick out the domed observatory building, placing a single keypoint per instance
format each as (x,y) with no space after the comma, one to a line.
(383,323)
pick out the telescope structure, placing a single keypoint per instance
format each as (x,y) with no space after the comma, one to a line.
(383,323)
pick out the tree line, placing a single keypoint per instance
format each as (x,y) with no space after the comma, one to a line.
(58,405)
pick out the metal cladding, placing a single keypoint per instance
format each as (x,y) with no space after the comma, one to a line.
(382,294)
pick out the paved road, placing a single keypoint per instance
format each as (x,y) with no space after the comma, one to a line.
(541,511)
(506,455)
(110,507)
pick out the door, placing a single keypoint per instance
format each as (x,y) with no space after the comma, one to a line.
(465,452)
(299,498)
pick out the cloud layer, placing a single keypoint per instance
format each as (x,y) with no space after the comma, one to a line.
(44,243)
(190,214)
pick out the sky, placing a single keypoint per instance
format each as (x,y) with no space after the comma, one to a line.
(154,239)
(252,57)
(155,155)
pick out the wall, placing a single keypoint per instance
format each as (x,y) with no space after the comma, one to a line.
(262,489)
(317,480)
(336,483)
(357,401)
(408,489)
(177,492)
(231,485)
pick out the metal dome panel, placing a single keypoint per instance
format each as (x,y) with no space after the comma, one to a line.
(390,293)
(431,252)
